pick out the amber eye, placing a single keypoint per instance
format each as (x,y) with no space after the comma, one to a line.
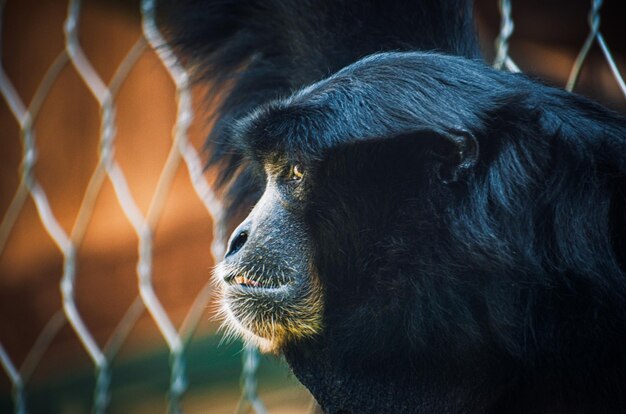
(297,172)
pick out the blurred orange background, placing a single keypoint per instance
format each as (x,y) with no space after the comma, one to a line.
(547,38)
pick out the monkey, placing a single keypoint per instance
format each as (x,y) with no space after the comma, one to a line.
(422,232)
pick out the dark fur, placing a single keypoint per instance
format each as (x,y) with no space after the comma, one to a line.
(263,50)
(493,286)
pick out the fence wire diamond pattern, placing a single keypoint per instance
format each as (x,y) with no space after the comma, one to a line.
(107,168)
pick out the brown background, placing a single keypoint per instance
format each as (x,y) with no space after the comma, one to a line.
(547,38)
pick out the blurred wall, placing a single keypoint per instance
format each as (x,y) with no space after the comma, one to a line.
(547,37)
(67,139)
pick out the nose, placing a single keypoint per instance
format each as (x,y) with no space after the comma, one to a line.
(237,240)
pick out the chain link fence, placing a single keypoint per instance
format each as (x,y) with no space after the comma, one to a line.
(108,171)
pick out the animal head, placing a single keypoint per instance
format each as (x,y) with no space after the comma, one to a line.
(426,202)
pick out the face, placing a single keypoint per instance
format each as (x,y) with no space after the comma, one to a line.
(321,247)
(309,241)
(269,291)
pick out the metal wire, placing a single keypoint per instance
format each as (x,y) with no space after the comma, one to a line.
(249,397)
(502,58)
(594,34)
(182,152)
(68,243)
(16,381)
(181,149)
(28,186)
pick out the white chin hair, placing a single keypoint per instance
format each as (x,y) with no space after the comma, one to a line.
(231,326)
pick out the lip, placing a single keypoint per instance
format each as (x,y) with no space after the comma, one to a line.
(274,293)
(248,283)
(244,281)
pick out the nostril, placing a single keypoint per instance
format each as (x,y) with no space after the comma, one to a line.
(237,243)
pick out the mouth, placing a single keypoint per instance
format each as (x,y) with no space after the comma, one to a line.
(267,306)
(245,282)
(254,282)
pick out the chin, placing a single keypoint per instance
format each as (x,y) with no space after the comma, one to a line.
(267,310)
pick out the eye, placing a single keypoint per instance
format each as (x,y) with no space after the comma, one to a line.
(296,173)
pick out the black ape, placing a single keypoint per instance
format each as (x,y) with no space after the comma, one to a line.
(429,235)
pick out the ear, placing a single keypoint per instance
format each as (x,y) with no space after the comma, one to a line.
(460,155)
(453,152)
(450,153)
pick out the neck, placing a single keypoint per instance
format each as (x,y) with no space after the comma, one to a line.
(343,385)
(491,384)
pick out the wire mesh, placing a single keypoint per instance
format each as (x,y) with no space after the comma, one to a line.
(502,58)
(108,168)
(181,152)
(594,34)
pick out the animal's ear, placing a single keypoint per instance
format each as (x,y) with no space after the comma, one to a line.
(452,153)
(459,153)
(449,154)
